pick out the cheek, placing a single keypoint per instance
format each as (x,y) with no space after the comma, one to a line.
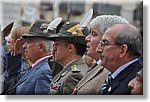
(32,50)
(59,51)
(95,42)
(137,89)
(138,86)
(109,57)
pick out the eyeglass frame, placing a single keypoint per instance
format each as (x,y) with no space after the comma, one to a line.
(103,44)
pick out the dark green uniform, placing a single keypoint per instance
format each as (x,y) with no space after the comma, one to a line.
(64,82)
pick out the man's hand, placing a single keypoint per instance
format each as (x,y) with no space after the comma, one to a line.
(18,49)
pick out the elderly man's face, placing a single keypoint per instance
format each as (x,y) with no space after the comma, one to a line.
(92,41)
(110,51)
(31,49)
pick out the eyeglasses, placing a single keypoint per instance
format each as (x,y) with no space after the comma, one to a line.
(103,44)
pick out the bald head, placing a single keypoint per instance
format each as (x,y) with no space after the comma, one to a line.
(129,35)
(118,28)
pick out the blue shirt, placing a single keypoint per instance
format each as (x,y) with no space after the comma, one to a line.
(98,62)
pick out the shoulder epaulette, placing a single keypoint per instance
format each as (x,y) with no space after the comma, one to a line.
(74,68)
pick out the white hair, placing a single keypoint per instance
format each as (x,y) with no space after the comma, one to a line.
(49,45)
(105,21)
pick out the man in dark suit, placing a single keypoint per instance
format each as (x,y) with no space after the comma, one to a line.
(120,48)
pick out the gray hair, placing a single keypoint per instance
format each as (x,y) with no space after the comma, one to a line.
(48,44)
(105,21)
(130,36)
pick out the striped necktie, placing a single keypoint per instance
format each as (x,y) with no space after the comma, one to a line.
(106,85)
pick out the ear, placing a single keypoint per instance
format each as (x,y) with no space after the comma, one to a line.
(70,47)
(40,46)
(124,49)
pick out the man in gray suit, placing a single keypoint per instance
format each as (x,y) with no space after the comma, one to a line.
(92,82)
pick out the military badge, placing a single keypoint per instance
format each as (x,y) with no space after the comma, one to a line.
(74,68)
(56,86)
(43,26)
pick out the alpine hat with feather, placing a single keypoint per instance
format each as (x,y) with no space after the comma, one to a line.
(74,31)
(42,28)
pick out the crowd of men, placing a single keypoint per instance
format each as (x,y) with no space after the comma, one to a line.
(72,59)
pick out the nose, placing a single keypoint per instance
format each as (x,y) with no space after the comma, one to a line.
(24,46)
(87,39)
(99,48)
(131,84)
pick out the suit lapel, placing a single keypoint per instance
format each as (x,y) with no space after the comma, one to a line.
(92,67)
(90,75)
(30,72)
(136,66)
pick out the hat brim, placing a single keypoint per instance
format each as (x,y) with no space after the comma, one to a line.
(27,35)
(56,36)
(74,39)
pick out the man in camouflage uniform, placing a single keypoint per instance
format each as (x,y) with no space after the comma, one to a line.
(69,47)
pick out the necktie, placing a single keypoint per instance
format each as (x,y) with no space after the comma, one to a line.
(106,85)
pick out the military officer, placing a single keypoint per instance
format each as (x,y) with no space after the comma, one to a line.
(69,47)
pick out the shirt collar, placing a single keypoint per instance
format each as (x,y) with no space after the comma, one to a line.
(98,62)
(39,60)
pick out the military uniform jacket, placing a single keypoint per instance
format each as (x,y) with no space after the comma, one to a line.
(92,82)
(65,81)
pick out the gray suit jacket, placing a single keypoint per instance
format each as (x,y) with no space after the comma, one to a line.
(92,82)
